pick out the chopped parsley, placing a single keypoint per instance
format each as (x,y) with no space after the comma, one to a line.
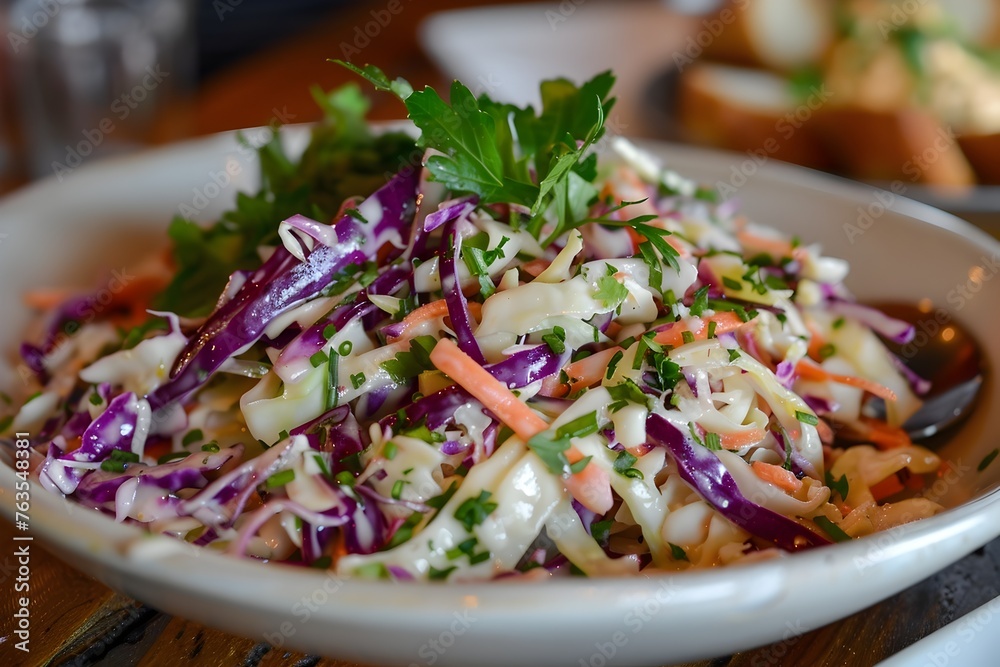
(473,511)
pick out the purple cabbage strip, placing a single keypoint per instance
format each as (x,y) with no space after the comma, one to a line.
(702,469)
(820,405)
(367,538)
(260,516)
(100,487)
(785,374)
(895,330)
(450,210)
(451,286)
(34,358)
(526,366)
(115,428)
(241,322)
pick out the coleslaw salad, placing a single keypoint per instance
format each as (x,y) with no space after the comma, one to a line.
(506,361)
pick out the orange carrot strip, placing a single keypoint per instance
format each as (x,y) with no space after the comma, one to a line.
(883,435)
(535,267)
(777,248)
(591,486)
(781,478)
(724,323)
(816,342)
(429,311)
(810,371)
(889,486)
(591,370)
(741,438)
(46,299)
(492,393)
(824,430)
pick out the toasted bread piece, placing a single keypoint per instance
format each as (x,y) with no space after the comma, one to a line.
(983,153)
(906,144)
(779,34)
(748,110)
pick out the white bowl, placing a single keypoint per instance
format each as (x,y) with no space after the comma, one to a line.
(102,216)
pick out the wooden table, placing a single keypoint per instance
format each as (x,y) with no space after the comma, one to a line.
(79,621)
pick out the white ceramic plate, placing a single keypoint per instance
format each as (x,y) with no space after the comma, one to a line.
(67,233)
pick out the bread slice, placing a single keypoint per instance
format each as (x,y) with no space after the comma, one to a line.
(778,34)
(908,145)
(748,110)
(983,153)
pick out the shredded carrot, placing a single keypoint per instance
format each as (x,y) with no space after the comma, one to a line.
(810,371)
(492,393)
(46,299)
(535,267)
(590,370)
(725,322)
(590,486)
(429,311)
(781,478)
(816,341)
(883,435)
(777,248)
(582,373)
(740,439)
(824,430)
(889,486)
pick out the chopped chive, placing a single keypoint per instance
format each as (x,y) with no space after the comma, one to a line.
(280,479)
(345,348)
(319,359)
(806,418)
(734,285)
(357,380)
(711,328)
(435,574)
(578,467)
(687,337)
(827,351)
(321,463)
(210,447)
(397,489)
(344,477)
(113,465)
(192,437)
(613,364)
(95,399)
(835,532)
(329,331)
(713,441)
(734,354)
(389,450)
(839,322)
(356,214)
(677,553)
(579,427)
